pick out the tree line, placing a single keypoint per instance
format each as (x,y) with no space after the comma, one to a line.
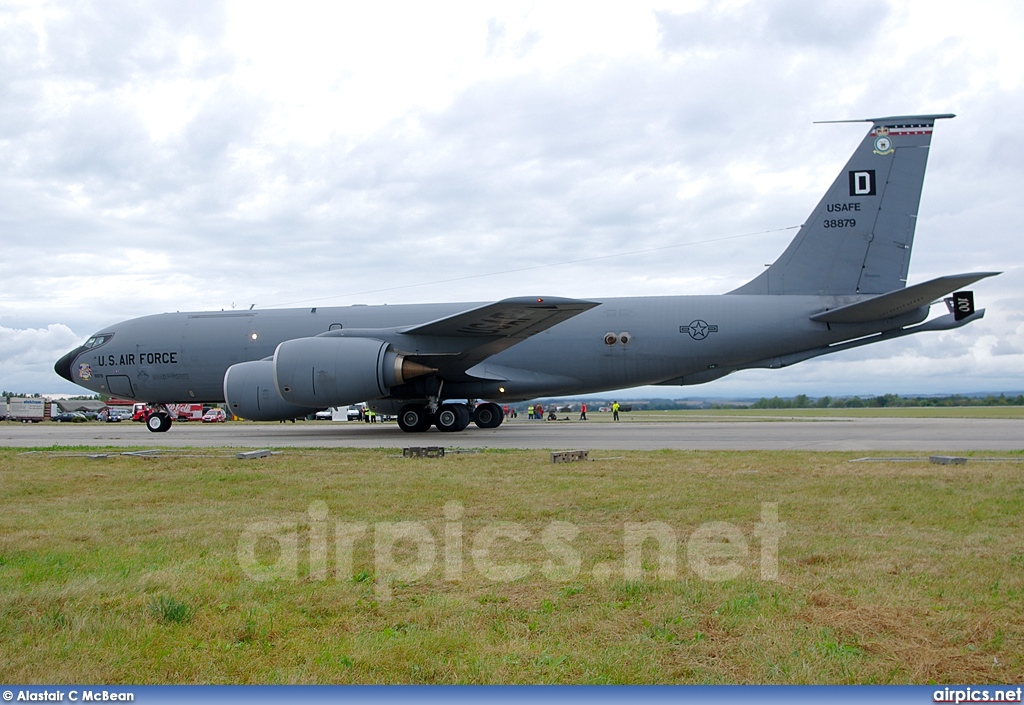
(802,401)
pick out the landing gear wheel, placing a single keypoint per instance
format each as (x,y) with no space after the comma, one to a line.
(158,422)
(414,418)
(488,415)
(465,416)
(451,418)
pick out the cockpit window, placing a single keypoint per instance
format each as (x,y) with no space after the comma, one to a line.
(97,340)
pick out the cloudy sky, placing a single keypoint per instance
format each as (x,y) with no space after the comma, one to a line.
(194,155)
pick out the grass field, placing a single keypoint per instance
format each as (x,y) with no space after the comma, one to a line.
(294,569)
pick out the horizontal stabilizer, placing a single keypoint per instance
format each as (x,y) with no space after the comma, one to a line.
(900,301)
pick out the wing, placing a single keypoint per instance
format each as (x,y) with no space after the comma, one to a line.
(900,301)
(455,343)
(513,319)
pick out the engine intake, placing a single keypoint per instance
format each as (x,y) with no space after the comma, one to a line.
(250,393)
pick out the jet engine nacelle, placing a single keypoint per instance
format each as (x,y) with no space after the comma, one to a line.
(338,371)
(250,393)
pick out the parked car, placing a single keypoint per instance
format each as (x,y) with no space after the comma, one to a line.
(215,416)
(122,413)
(113,415)
(70,417)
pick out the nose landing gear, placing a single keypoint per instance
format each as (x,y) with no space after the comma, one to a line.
(158,420)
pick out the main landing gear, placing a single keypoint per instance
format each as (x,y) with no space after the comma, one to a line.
(449,417)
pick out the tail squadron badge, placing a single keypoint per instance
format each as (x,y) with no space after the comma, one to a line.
(883,143)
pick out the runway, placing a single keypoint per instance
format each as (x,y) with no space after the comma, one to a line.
(823,434)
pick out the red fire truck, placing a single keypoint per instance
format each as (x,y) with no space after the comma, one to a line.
(178,412)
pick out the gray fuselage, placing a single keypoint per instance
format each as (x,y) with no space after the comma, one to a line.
(176,357)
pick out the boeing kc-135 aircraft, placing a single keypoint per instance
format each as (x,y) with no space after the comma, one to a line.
(840,284)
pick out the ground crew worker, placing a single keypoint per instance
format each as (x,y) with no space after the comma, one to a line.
(615,410)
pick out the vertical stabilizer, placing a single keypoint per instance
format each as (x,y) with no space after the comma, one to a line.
(858,238)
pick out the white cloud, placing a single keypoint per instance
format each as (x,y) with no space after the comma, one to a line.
(21,352)
(177,157)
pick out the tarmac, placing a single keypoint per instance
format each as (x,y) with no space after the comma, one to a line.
(821,434)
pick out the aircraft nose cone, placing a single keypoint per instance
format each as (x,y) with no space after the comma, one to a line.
(63,365)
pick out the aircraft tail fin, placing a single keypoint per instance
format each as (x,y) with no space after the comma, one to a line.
(858,238)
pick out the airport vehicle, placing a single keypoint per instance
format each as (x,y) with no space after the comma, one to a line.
(176,412)
(342,413)
(26,409)
(841,283)
(215,416)
(186,412)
